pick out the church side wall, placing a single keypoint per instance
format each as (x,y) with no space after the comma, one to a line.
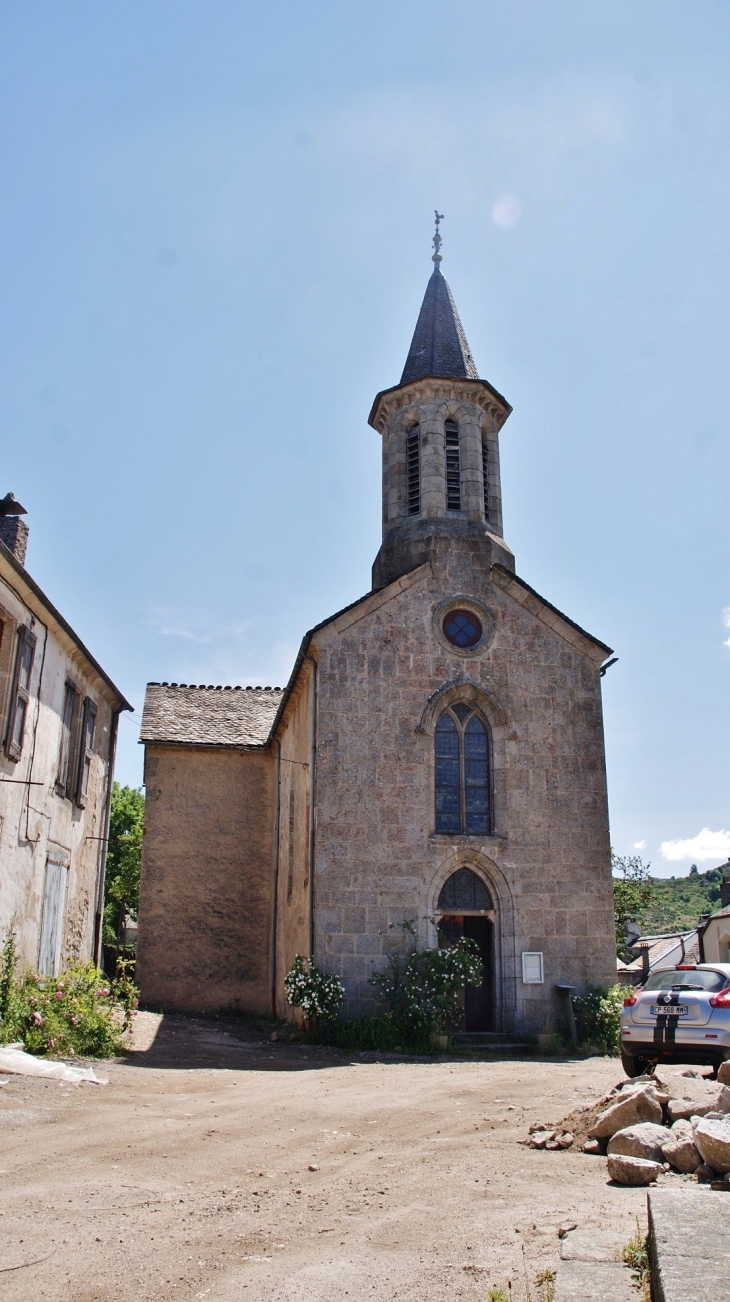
(204,938)
(294,887)
(379,861)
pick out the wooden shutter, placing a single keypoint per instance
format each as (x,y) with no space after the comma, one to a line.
(86,750)
(64,754)
(20,693)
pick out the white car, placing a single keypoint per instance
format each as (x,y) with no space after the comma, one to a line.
(679,1014)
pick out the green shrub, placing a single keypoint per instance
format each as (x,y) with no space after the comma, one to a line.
(318,994)
(380,1034)
(422,990)
(79,1012)
(597,1016)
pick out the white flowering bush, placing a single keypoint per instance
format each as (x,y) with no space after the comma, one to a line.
(318,994)
(422,990)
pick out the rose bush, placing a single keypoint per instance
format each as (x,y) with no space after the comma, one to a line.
(79,1012)
(318,994)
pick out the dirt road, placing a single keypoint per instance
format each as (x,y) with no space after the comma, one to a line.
(189,1175)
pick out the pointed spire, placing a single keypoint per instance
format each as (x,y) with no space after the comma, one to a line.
(439,345)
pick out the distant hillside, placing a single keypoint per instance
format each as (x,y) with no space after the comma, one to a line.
(679,901)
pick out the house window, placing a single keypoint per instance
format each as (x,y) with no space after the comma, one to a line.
(20,694)
(485,478)
(86,750)
(64,754)
(453,466)
(462,773)
(413,471)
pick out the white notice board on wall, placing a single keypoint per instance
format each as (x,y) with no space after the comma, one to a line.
(532,968)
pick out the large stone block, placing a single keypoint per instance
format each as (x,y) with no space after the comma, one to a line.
(640,1105)
(632,1170)
(643,1140)
(712,1138)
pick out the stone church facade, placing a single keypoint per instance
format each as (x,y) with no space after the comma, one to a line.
(436,757)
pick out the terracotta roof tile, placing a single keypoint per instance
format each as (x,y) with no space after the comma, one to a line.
(208,716)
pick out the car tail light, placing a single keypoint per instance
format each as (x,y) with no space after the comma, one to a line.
(720,1001)
(631,999)
(686,967)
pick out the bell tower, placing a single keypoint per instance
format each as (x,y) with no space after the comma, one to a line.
(440,429)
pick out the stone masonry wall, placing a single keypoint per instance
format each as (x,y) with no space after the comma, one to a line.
(378,860)
(207,870)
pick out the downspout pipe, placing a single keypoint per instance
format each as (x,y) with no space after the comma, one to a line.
(99,917)
(313,807)
(275,902)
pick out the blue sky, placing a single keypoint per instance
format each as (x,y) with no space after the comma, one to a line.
(215,229)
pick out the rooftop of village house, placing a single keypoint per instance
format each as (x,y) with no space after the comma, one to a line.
(208,715)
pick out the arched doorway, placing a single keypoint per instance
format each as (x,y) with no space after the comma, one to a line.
(465,908)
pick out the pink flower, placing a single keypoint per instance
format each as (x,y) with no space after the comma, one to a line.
(37,1019)
(104,992)
(58,994)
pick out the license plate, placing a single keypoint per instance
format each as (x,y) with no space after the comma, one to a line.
(671,1010)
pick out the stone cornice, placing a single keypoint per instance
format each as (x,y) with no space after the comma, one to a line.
(479,392)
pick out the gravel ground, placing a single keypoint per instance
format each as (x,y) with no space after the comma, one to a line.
(189,1175)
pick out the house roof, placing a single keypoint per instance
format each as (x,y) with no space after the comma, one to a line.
(185,715)
(439,346)
(32,591)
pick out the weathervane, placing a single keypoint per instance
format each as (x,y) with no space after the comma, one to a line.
(437,241)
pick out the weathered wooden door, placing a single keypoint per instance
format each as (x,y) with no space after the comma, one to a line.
(480,1001)
(54,899)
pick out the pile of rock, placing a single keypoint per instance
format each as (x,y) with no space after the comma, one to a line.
(669,1121)
(543,1137)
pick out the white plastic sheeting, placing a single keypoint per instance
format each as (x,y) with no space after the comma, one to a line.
(13,1058)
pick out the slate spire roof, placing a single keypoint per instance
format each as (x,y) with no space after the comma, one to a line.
(439,346)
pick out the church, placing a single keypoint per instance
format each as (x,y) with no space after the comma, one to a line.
(437,756)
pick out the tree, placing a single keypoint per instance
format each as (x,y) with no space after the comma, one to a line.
(121,892)
(633,894)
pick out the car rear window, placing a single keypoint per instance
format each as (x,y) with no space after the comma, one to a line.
(683,980)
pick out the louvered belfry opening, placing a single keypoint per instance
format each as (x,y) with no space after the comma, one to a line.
(485,478)
(453,466)
(413,471)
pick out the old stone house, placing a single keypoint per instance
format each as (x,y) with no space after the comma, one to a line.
(436,754)
(58,713)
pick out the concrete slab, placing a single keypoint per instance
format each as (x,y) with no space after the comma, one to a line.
(594,1281)
(593,1245)
(689,1244)
(591,1269)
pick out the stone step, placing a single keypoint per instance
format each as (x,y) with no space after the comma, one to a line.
(689,1234)
(591,1269)
(488,1040)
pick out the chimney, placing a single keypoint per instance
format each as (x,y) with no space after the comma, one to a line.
(13,530)
(725,887)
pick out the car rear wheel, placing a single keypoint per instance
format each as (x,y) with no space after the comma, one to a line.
(632,1065)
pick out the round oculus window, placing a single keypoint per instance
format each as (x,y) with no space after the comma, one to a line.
(462,628)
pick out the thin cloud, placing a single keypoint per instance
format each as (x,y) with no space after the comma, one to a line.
(726,622)
(639,845)
(184,632)
(700,848)
(507,211)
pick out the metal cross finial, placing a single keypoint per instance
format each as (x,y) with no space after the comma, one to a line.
(437,241)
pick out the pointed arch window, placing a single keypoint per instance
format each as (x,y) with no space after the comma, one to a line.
(462,773)
(453,466)
(413,471)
